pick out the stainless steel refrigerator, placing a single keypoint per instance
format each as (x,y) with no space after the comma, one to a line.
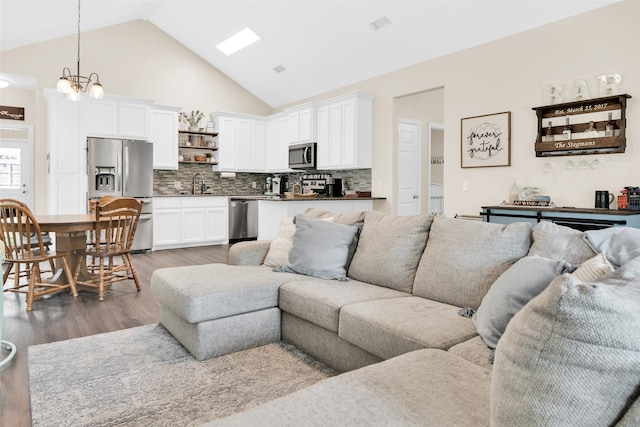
(123,167)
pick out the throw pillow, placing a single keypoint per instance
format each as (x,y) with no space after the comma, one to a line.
(320,248)
(463,258)
(389,249)
(621,244)
(278,253)
(559,242)
(280,246)
(571,357)
(593,269)
(513,290)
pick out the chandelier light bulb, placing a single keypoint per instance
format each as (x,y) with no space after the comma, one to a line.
(64,85)
(97,91)
(73,94)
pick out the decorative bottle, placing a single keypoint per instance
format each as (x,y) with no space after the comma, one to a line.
(514,192)
(610,128)
(566,132)
(591,131)
(548,137)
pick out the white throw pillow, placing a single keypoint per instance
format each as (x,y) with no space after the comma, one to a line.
(280,246)
(594,269)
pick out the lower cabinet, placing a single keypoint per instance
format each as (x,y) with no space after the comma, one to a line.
(270,212)
(190,221)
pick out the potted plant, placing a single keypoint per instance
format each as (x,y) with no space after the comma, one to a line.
(193,119)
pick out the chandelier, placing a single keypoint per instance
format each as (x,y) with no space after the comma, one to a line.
(74,84)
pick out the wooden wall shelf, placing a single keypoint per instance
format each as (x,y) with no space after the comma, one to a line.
(580,114)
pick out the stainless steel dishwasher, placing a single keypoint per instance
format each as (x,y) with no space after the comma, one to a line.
(243,219)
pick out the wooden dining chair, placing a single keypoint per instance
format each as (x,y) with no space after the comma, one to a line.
(15,268)
(116,223)
(21,235)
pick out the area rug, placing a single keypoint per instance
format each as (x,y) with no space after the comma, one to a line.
(143,377)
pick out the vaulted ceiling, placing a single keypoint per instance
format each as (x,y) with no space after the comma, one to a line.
(322,45)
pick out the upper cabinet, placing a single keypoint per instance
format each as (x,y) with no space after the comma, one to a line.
(302,121)
(345,127)
(116,117)
(164,136)
(277,143)
(241,142)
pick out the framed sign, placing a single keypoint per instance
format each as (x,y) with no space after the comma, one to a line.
(11,113)
(486,140)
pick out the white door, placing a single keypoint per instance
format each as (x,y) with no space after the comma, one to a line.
(16,161)
(409,167)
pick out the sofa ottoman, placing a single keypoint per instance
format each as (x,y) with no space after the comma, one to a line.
(216,309)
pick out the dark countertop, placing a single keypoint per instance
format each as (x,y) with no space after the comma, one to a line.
(566,209)
(272,198)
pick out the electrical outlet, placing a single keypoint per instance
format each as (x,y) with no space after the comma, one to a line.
(177,185)
(254,184)
(465,185)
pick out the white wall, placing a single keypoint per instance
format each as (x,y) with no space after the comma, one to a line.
(137,59)
(133,59)
(508,75)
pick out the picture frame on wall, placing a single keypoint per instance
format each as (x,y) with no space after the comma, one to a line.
(486,140)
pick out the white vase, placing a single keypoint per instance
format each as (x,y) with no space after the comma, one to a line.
(193,128)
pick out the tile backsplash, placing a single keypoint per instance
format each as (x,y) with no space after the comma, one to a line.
(175,182)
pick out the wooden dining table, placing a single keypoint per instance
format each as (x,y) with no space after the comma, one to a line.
(70,236)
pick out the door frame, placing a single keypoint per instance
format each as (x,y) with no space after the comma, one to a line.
(430,128)
(30,159)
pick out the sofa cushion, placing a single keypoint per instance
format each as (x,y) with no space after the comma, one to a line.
(319,301)
(621,244)
(514,288)
(473,350)
(422,388)
(571,357)
(463,258)
(632,416)
(389,249)
(390,327)
(345,218)
(594,268)
(320,248)
(190,292)
(559,242)
(627,271)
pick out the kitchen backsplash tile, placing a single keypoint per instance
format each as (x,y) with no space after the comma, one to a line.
(164,180)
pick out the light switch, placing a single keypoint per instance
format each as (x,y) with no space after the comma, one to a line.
(465,185)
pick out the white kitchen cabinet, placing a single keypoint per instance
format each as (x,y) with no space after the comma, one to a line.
(301,124)
(241,142)
(271,211)
(345,126)
(116,117)
(164,136)
(277,144)
(190,221)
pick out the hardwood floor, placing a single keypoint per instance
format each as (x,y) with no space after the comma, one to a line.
(60,317)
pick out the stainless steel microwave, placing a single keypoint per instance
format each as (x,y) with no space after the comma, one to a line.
(302,156)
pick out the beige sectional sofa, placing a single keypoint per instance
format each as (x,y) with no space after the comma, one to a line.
(402,320)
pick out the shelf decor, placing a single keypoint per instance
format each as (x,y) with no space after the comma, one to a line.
(193,119)
(486,140)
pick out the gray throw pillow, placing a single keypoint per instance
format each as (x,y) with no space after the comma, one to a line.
(463,258)
(513,290)
(389,249)
(559,242)
(320,248)
(620,244)
(571,357)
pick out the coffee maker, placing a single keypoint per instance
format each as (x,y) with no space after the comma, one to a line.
(279,185)
(333,187)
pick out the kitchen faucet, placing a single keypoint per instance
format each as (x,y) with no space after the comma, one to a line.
(203,186)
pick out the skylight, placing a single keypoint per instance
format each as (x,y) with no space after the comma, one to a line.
(239,41)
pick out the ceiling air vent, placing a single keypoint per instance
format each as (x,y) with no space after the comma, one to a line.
(279,69)
(380,23)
